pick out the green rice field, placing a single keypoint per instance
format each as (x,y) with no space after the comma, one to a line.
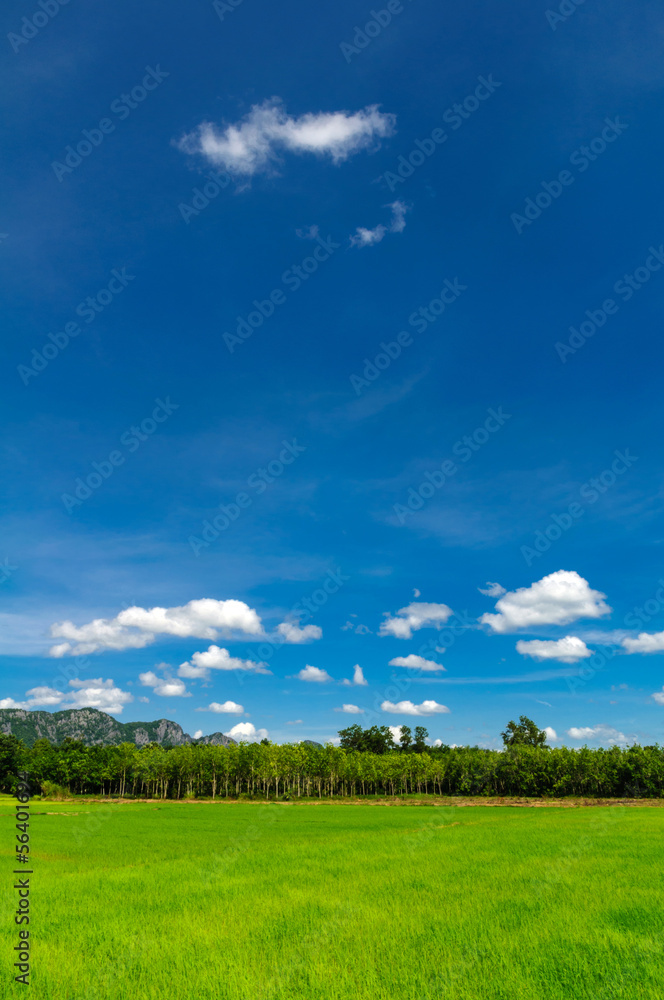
(233,901)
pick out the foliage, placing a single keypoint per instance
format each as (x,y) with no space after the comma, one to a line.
(526,733)
(269,770)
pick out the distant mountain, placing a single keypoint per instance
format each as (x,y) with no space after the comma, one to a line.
(93,727)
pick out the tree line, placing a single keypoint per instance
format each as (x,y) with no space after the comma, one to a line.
(524,767)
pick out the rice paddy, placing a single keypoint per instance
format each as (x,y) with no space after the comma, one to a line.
(195,901)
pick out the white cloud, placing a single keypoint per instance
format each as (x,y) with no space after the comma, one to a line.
(358,629)
(215,658)
(567,650)
(414,662)
(645,642)
(247,731)
(408,708)
(295,722)
(291,632)
(368,237)
(253,144)
(198,734)
(437,743)
(228,708)
(601,733)
(350,710)
(358,678)
(103,695)
(557,599)
(314,674)
(136,627)
(146,701)
(659,697)
(396,732)
(167,687)
(493,590)
(414,616)
(551,735)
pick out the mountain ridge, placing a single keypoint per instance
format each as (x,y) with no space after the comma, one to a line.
(95,728)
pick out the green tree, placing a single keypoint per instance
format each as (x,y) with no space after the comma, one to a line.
(420,741)
(525,733)
(406,739)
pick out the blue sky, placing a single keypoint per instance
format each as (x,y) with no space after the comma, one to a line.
(408,342)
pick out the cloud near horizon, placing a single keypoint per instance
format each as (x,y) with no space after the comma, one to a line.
(254,144)
(95,693)
(408,708)
(358,678)
(557,599)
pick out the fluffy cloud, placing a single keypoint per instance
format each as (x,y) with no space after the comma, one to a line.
(136,627)
(167,687)
(551,734)
(96,693)
(645,642)
(368,237)
(658,696)
(36,697)
(198,734)
(314,674)
(215,658)
(350,710)
(358,678)
(557,599)
(601,733)
(247,731)
(228,708)
(292,633)
(567,650)
(396,732)
(413,617)
(408,708)
(414,662)
(493,590)
(253,145)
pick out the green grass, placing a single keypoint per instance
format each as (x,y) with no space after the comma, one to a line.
(330,902)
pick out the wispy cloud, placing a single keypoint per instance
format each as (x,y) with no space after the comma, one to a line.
(369,237)
(254,144)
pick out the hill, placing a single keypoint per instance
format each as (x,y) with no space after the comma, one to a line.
(93,727)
